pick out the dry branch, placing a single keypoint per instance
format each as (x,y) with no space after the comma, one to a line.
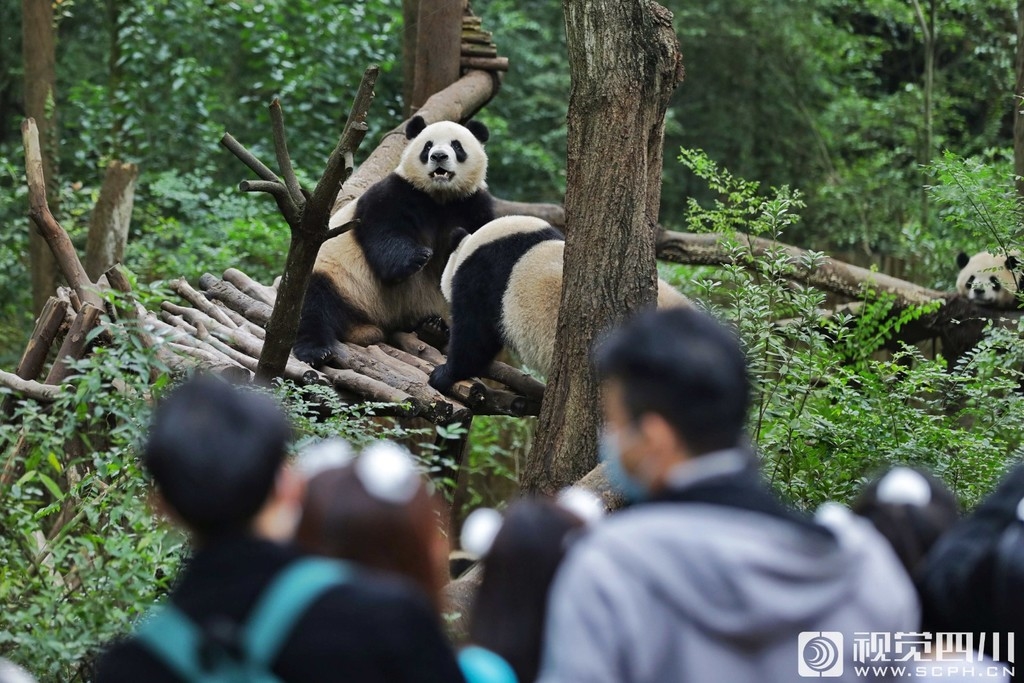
(235,299)
(75,343)
(51,319)
(30,388)
(822,272)
(39,211)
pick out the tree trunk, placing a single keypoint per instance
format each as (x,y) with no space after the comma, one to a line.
(438,48)
(410,18)
(39,54)
(1018,104)
(111,217)
(624,62)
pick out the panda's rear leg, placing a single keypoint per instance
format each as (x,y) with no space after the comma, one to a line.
(365,335)
(434,330)
(471,348)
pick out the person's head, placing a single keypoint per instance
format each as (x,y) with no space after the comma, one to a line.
(911,508)
(12,673)
(511,604)
(377,511)
(674,387)
(214,452)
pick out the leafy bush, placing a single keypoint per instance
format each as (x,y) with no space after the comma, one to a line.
(828,410)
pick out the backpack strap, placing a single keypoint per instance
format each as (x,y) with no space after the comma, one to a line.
(284,601)
(174,639)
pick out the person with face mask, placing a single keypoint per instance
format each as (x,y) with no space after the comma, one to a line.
(707,576)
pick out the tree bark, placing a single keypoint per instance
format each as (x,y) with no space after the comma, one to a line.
(40,57)
(624,62)
(410,19)
(1018,104)
(438,48)
(111,217)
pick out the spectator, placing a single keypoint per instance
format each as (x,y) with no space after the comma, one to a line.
(12,673)
(518,568)
(973,578)
(910,507)
(214,453)
(376,510)
(708,577)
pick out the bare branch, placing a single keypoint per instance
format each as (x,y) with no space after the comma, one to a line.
(248,158)
(284,160)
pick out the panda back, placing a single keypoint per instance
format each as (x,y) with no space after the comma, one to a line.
(530,304)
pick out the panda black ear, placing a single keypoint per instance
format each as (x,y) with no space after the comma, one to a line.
(1012,262)
(414,127)
(962,259)
(457,236)
(479,131)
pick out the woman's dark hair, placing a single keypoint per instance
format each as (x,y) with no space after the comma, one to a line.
(214,451)
(685,366)
(340,518)
(911,527)
(511,604)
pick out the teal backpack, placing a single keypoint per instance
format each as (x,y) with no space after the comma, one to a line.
(176,641)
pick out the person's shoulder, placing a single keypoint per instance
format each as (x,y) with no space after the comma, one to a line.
(370,598)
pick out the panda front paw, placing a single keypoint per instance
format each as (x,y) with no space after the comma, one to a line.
(436,329)
(314,355)
(419,259)
(441,378)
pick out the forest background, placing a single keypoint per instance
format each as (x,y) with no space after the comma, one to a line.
(885,125)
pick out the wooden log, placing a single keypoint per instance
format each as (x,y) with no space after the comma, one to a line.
(373,389)
(249,286)
(472,50)
(117,279)
(424,366)
(484,63)
(30,388)
(75,342)
(552,213)
(256,311)
(184,289)
(55,235)
(111,218)
(825,273)
(410,343)
(474,35)
(49,323)
(240,320)
(516,380)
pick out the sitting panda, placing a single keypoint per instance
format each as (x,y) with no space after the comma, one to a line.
(504,283)
(384,275)
(990,280)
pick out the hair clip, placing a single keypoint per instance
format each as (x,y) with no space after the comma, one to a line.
(323,455)
(904,486)
(479,530)
(388,472)
(583,503)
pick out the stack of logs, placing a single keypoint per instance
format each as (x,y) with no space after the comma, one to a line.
(478,48)
(224,327)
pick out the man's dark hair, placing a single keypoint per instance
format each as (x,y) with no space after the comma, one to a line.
(214,451)
(685,366)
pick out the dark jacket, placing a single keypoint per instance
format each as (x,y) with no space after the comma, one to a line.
(368,629)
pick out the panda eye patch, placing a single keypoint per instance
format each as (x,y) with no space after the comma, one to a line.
(425,154)
(995,282)
(460,152)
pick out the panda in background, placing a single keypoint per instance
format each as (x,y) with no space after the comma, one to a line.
(989,280)
(384,275)
(504,283)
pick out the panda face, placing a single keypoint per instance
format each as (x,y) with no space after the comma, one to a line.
(446,160)
(988,279)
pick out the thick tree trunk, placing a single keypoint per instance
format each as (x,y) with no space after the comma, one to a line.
(624,62)
(410,19)
(438,48)
(1018,104)
(111,217)
(39,53)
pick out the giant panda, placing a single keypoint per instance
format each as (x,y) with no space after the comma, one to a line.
(504,283)
(384,275)
(989,280)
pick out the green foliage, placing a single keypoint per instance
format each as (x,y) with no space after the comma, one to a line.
(82,554)
(828,410)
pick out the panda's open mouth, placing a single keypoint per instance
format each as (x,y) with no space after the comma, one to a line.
(442,174)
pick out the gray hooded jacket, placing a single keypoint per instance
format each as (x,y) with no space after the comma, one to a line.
(692,591)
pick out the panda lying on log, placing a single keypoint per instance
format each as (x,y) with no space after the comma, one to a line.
(504,283)
(384,275)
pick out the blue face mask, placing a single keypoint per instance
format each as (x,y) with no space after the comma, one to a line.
(610,453)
